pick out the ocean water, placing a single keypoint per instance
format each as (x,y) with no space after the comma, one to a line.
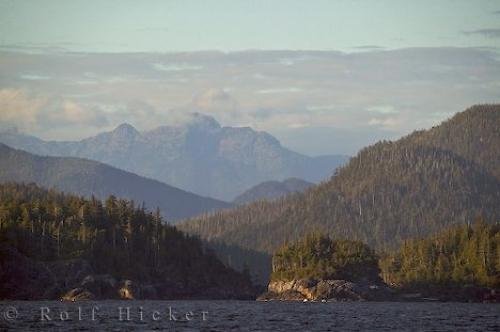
(246,316)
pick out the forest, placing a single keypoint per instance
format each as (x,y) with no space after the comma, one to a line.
(316,256)
(117,237)
(465,255)
(457,256)
(388,193)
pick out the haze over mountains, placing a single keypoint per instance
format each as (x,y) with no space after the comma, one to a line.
(389,192)
(270,190)
(87,177)
(199,156)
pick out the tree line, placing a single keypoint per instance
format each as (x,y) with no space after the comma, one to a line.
(465,255)
(316,256)
(460,255)
(117,237)
(388,193)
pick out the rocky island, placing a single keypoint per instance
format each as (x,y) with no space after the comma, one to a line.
(317,268)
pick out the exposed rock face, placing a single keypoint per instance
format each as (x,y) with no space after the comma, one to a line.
(130,290)
(78,294)
(342,290)
(106,287)
(317,290)
(93,287)
(280,286)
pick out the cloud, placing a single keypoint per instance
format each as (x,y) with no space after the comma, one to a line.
(382,109)
(269,119)
(34,77)
(386,123)
(140,114)
(384,116)
(215,100)
(489,33)
(279,90)
(392,90)
(286,62)
(176,67)
(20,109)
(35,113)
(328,107)
(68,113)
(260,76)
(85,82)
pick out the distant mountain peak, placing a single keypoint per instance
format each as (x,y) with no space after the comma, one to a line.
(387,193)
(126,130)
(203,121)
(125,127)
(195,154)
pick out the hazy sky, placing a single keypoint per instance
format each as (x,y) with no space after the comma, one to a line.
(347,73)
(187,25)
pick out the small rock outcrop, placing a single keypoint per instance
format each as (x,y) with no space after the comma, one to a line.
(78,294)
(129,290)
(329,290)
(93,287)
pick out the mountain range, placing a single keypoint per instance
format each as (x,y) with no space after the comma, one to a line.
(270,190)
(199,155)
(388,192)
(87,177)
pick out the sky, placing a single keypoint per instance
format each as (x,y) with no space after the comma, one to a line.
(323,76)
(229,25)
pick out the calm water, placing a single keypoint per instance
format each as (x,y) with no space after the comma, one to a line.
(247,316)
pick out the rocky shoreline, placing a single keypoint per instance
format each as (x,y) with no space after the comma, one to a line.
(326,290)
(342,290)
(22,278)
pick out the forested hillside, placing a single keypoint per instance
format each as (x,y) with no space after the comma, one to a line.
(87,178)
(458,256)
(389,192)
(116,238)
(473,135)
